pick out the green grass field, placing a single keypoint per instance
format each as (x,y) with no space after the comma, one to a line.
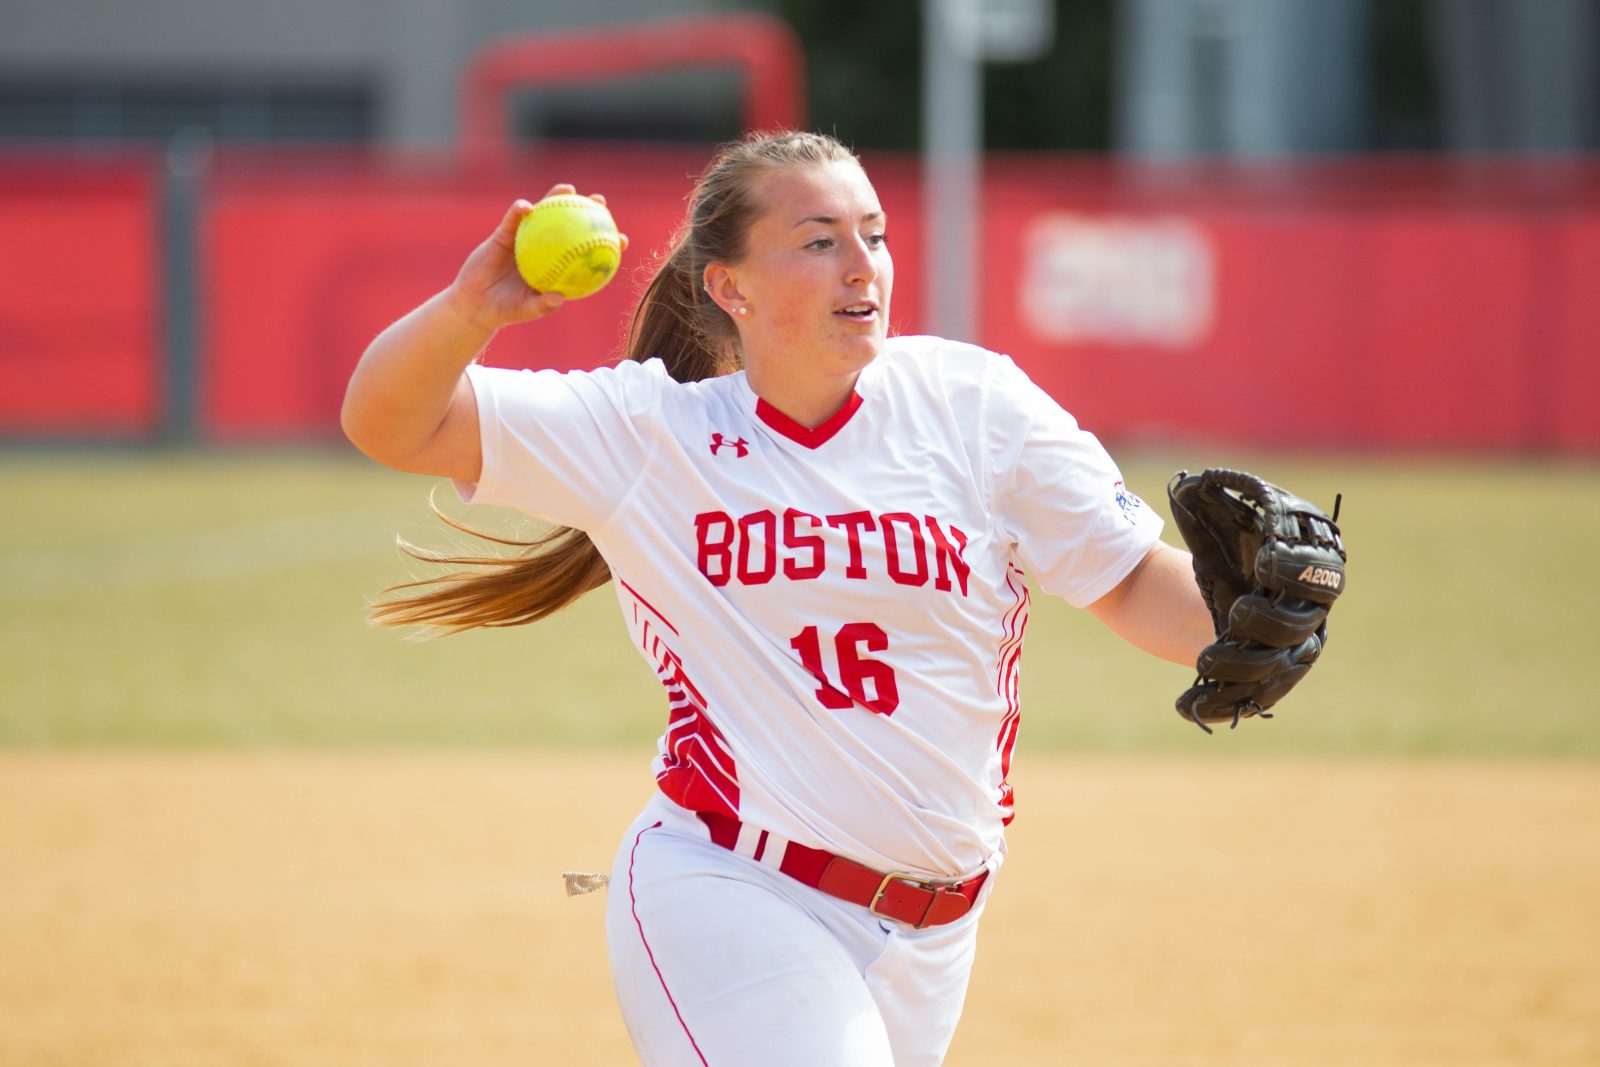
(218,599)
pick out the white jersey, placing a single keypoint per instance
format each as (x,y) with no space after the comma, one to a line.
(837,613)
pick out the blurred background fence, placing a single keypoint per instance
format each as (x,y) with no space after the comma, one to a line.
(1383,216)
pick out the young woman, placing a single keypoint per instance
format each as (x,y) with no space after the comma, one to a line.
(818,536)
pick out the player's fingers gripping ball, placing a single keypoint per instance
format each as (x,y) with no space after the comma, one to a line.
(568,244)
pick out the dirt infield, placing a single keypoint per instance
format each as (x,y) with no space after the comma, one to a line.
(349,909)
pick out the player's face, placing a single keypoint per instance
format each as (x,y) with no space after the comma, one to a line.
(816,274)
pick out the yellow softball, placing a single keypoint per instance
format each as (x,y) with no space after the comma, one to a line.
(568,244)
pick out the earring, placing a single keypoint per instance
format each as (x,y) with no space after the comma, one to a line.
(741,310)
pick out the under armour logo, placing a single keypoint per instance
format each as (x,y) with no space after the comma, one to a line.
(740,446)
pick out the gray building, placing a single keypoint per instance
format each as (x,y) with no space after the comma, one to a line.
(1251,78)
(367,70)
(1273,78)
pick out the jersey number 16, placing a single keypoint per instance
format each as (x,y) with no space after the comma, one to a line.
(856,671)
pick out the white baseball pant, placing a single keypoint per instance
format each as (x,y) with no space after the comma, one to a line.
(720,960)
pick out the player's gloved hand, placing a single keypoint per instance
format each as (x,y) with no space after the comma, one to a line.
(1269,566)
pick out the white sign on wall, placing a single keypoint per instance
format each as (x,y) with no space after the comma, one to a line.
(1117,279)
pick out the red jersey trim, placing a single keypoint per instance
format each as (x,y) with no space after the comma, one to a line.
(695,766)
(810,437)
(651,607)
(1013,626)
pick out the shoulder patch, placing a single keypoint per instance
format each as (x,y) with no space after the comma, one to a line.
(1128,502)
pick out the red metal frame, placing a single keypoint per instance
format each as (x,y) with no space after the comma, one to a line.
(764,49)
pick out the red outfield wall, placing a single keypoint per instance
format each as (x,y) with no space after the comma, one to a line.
(80,301)
(1395,305)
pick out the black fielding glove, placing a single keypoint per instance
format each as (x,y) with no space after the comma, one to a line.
(1269,566)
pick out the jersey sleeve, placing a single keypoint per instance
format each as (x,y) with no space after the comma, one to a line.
(564,447)
(1058,495)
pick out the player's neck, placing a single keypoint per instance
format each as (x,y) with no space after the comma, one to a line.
(810,402)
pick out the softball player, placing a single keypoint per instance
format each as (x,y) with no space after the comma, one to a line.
(818,536)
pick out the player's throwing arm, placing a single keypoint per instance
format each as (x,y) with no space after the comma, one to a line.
(408,404)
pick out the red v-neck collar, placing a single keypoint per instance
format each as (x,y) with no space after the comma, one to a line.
(810,437)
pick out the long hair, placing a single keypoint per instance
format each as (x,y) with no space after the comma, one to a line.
(676,322)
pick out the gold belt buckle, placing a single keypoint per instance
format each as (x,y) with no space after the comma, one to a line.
(898,876)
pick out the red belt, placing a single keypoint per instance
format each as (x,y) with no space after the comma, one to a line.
(902,897)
